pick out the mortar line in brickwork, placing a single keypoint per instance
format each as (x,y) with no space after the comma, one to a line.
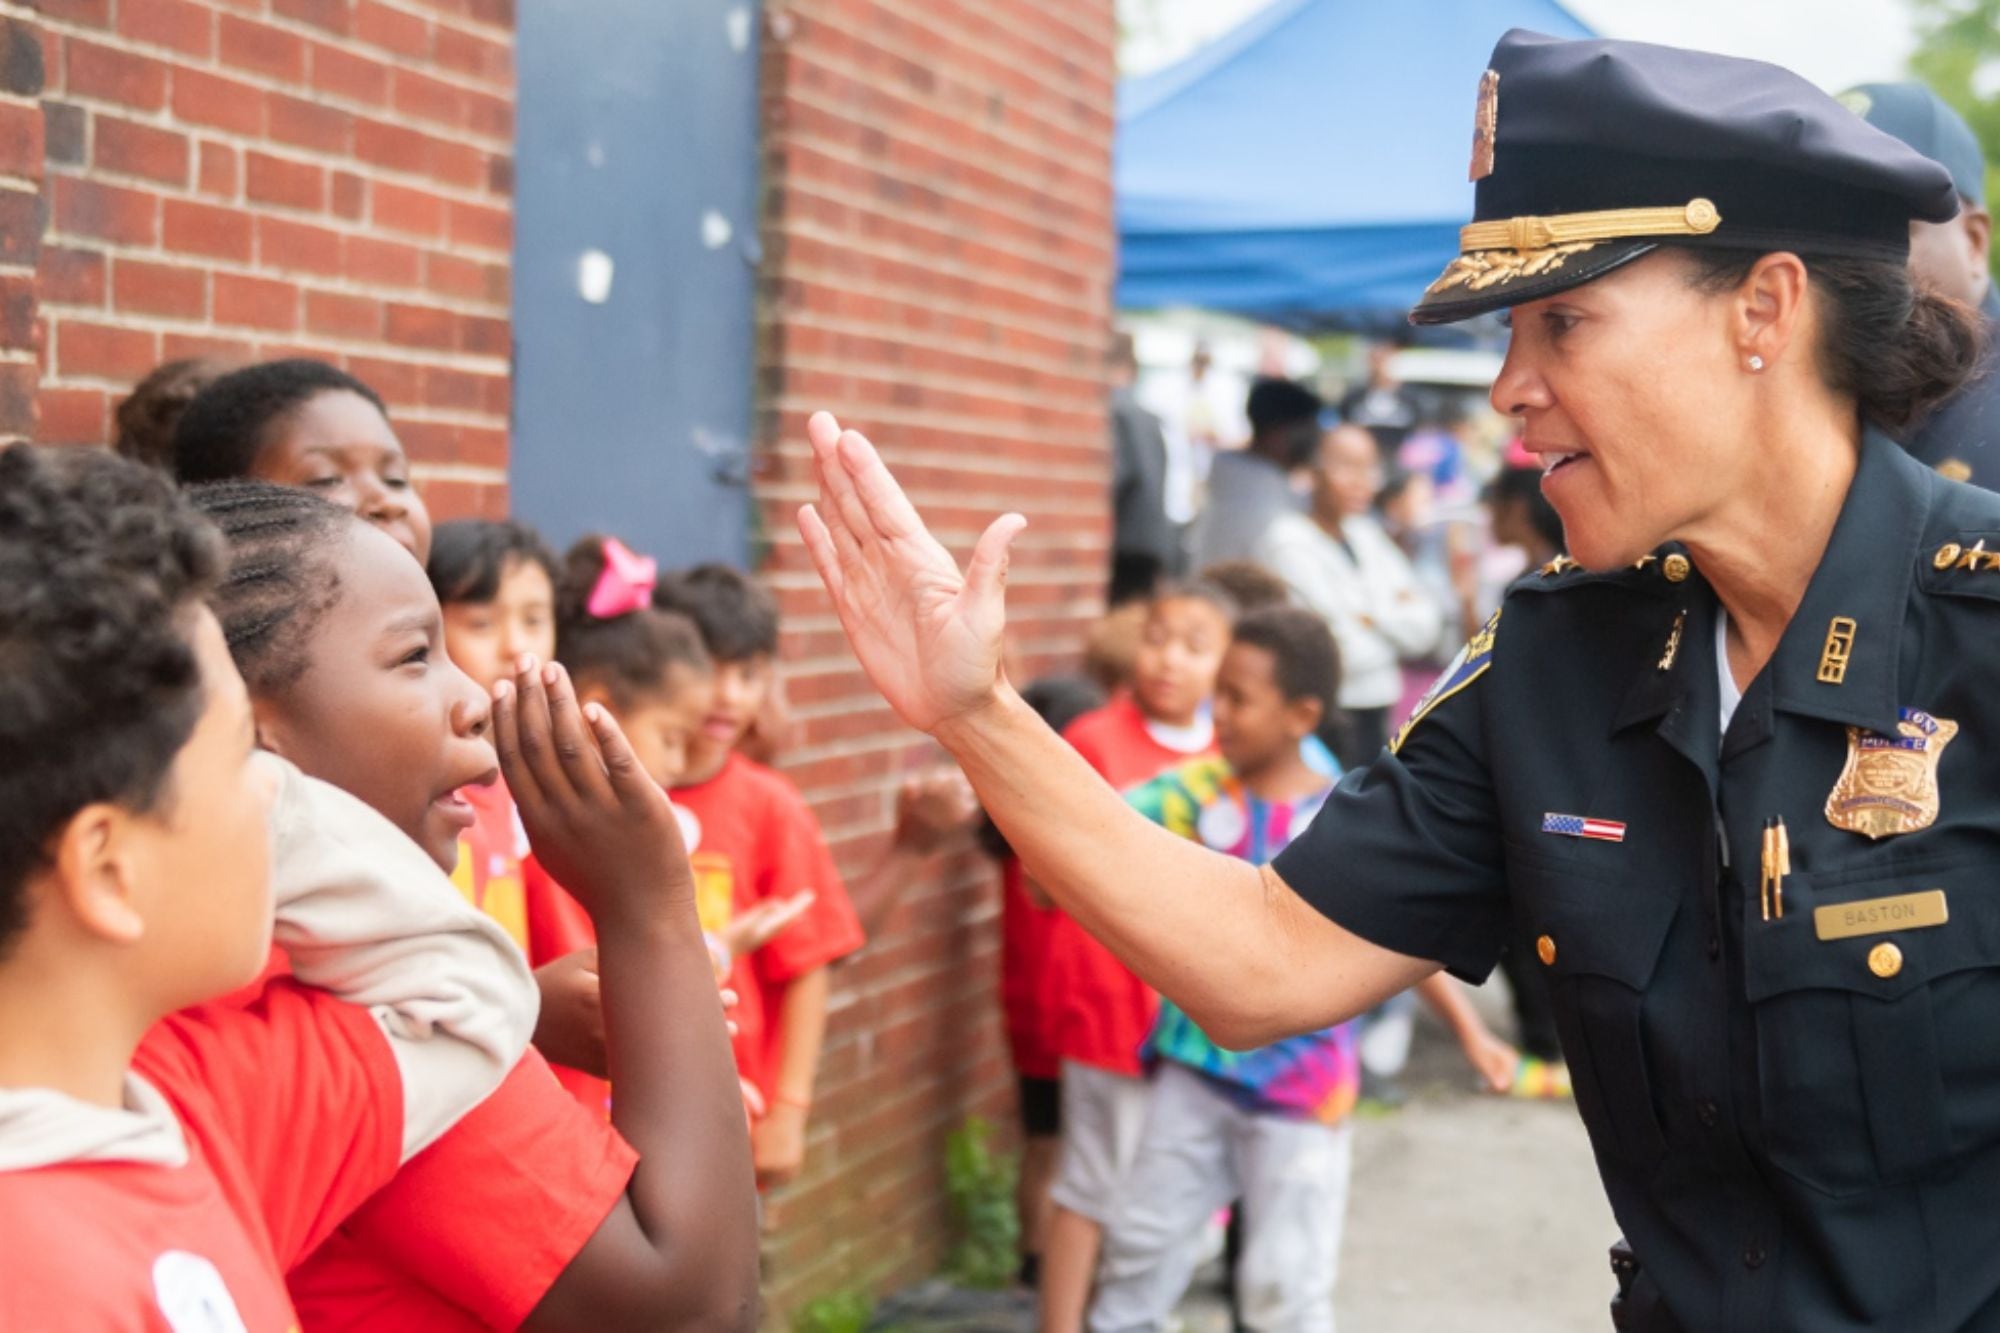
(485,476)
(963,430)
(828,279)
(305,280)
(1000,361)
(904,381)
(160,325)
(920,298)
(954,155)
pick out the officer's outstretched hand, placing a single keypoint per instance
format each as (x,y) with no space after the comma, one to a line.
(928,637)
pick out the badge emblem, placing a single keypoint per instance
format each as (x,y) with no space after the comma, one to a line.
(1890,783)
(1223,824)
(1468,666)
(1485,126)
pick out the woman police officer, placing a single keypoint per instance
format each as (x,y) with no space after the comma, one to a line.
(1734,771)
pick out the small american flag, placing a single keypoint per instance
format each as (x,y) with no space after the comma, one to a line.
(1576,826)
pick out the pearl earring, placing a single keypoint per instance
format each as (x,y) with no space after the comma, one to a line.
(1756,363)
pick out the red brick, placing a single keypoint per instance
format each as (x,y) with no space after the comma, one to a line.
(336,16)
(483,336)
(180,24)
(384,263)
(182,346)
(294,120)
(416,212)
(22,149)
(64,129)
(217,172)
(298,245)
(498,13)
(340,315)
(468,54)
(204,229)
(159,289)
(454,390)
(482,448)
(73,416)
(394,146)
(114,76)
(458,164)
(77,13)
(103,351)
(346,75)
(492,117)
(277,180)
(426,98)
(107,212)
(209,99)
(350,196)
(450,275)
(475,224)
(71,277)
(131,149)
(258,303)
(422,326)
(19,304)
(262,49)
(399,382)
(391,29)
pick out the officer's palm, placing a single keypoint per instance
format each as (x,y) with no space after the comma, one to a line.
(928,636)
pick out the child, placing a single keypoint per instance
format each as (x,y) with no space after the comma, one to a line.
(147,417)
(348,675)
(1106,1011)
(165,1178)
(752,837)
(1267,1126)
(303,423)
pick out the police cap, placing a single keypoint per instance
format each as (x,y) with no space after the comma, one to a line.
(1589,154)
(1921,119)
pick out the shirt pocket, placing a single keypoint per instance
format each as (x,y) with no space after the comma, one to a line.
(1599,942)
(1865,1079)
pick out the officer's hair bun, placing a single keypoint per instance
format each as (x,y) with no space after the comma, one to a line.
(1899,350)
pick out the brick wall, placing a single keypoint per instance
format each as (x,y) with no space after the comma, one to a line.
(939,255)
(257,178)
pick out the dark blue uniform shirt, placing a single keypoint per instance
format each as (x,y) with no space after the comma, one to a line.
(1962,438)
(1795,1132)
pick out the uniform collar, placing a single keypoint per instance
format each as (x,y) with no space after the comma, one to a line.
(1865,578)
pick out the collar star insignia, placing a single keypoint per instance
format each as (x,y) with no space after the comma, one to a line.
(1976,556)
(1561,564)
(1645,560)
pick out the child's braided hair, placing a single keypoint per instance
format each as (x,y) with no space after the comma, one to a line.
(280,578)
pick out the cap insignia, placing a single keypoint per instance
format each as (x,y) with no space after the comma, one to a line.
(1485,126)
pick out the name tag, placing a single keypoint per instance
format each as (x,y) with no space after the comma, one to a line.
(1905,911)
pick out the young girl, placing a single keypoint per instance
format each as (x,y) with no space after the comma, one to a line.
(340,640)
(1105,1011)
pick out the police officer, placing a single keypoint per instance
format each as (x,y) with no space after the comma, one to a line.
(1734,772)
(1962,437)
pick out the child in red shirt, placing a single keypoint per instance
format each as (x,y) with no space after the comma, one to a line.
(1105,1012)
(350,679)
(149,1171)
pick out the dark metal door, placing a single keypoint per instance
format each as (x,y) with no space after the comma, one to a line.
(635,245)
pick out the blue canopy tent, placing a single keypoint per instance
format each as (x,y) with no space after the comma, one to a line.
(1308,168)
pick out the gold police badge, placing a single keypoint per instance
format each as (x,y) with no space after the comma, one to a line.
(1485,126)
(1890,783)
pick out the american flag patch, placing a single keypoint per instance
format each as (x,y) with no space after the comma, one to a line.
(1576,826)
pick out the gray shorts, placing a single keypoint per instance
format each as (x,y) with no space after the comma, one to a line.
(1103,1115)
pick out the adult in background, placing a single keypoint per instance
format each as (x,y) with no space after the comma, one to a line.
(1382,405)
(1145,544)
(1249,488)
(1776,614)
(1342,565)
(1953,259)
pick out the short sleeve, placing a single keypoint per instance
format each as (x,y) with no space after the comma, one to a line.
(1406,851)
(798,858)
(489,1216)
(306,1090)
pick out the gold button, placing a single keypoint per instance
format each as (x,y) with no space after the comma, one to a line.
(1955,469)
(1545,949)
(1702,216)
(1675,567)
(1885,960)
(1947,555)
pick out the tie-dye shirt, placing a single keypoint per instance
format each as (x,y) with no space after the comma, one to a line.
(1316,1076)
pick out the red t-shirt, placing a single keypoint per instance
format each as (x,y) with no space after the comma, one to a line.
(751,836)
(292,1109)
(558,925)
(476,1228)
(1026,996)
(1103,1012)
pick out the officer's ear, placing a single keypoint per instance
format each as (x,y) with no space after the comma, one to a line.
(1977,224)
(1769,308)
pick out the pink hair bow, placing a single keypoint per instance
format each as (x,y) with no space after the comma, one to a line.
(626,583)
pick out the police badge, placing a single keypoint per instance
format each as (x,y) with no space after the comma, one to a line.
(1890,783)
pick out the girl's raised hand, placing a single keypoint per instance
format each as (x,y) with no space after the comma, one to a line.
(928,636)
(597,823)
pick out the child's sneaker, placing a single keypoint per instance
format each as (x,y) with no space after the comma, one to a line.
(1541,1080)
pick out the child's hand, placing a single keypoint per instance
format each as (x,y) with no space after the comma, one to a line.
(751,930)
(598,824)
(570,1030)
(779,1144)
(1493,1059)
(932,808)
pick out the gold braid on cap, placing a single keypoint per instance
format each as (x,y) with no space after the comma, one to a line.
(1491,253)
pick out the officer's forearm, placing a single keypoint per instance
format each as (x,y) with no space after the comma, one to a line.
(1238,950)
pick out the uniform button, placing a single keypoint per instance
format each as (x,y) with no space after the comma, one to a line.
(1545,949)
(1753,1255)
(1885,960)
(1947,555)
(1676,568)
(1704,1111)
